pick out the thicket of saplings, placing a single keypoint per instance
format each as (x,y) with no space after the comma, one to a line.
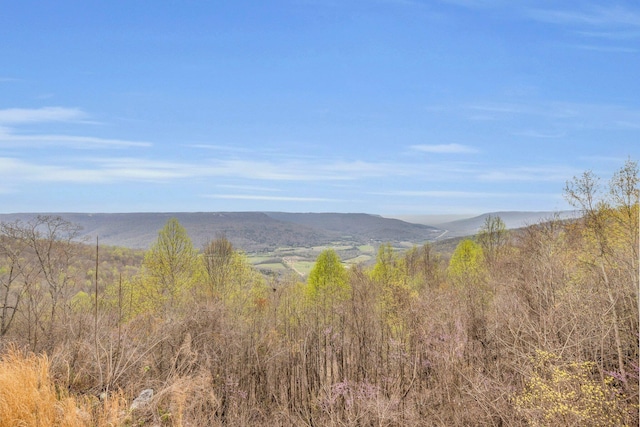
(537,326)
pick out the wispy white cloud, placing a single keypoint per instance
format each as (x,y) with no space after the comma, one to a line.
(603,48)
(401,2)
(269,198)
(13,118)
(540,134)
(442,194)
(248,188)
(454,194)
(611,24)
(562,116)
(9,139)
(124,169)
(611,34)
(216,147)
(361,169)
(16,171)
(495,110)
(39,115)
(444,148)
(133,169)
(601,16)
(531,174)
(265,170)
(477,4)
(311,169)
(604,159)
(91,171)
(341,3)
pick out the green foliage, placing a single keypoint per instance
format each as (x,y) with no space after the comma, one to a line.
(391,274)
(81,302)
(171,265)
(467,264)
(133,297)
(328,279)
(228,276)
(245,287)
(386,269)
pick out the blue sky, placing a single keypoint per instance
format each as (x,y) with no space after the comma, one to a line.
(378,106)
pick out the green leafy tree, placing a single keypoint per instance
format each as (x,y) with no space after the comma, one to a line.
(327,287)
(386,270)
(132,297)
(467,273)
(328,279)
(466,267)
(245,288)
(171,266)
(391,275)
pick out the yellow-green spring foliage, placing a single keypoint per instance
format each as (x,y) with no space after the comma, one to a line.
(171,268)
(328,279)
(172,261)
(560,394)
(390,273)
(386,270)
(467,265)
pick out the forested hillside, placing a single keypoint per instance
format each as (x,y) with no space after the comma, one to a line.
(529,327)
(248,231)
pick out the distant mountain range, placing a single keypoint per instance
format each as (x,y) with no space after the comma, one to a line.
(470,226)
(265,231)
(249,231)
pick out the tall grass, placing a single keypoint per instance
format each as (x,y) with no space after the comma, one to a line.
(28,397)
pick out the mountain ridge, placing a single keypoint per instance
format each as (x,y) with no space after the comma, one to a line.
(511,219)
(265,231)
(249,231)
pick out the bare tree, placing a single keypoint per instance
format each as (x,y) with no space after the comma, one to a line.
(41,252)
(611,225)
(218,261)
(493,237)
(11,291)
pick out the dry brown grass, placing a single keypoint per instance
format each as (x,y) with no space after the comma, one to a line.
(28,397)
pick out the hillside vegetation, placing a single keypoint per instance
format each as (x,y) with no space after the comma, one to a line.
(530,327)
(256,232)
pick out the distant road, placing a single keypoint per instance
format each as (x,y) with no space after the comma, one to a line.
(290,262)
(445,232)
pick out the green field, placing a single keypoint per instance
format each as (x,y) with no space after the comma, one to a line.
(301,260)
(360,259)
